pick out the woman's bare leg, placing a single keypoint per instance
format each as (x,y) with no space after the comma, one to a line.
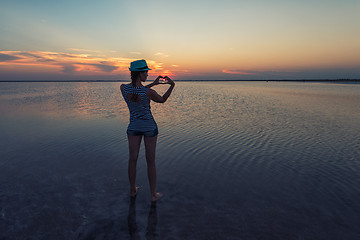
(134,147)
(150,150)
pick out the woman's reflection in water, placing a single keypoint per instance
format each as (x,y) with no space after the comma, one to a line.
(133,229)
(151,225)
(152,222)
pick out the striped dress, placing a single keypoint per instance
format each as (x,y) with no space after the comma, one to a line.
(141,118)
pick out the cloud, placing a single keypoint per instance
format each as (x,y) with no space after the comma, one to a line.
(104,67)
(6,57)
(160,54)
(38,57)
(28,54)
(240,72)
(75,64)
(68,68)
(82,50)
(45,60)
(257,73)
(66,55)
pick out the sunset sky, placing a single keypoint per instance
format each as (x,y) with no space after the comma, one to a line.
(198,39)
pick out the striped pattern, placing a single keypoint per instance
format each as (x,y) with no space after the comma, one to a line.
(141,118)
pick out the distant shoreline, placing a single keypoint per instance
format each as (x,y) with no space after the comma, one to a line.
(223,80)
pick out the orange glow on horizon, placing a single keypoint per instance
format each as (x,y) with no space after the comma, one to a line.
(76,64)
(92,65)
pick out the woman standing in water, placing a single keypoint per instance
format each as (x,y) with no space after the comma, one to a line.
(142,123)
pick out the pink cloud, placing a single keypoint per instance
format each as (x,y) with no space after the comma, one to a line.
(74,65)
(69,62)
(238,72)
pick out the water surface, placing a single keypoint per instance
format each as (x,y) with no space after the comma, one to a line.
(236,160)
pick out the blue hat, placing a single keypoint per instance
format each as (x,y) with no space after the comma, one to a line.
(139,65)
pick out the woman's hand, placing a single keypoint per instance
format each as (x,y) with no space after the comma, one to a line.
(156,81)
(169,81)
(153,95)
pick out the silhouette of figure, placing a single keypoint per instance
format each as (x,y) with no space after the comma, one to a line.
(142,124)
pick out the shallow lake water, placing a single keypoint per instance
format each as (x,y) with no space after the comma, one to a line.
(235,160)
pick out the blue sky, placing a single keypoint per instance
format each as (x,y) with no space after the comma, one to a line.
(186,39)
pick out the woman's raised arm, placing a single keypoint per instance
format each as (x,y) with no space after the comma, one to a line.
(153,95)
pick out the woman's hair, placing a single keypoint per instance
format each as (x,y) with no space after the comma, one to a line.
(132,96)
(134,76)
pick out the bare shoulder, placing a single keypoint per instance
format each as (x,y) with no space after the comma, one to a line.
(122,87)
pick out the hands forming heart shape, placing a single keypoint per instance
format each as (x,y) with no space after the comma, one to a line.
(163,79)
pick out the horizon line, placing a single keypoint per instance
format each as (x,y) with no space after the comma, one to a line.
(203,80)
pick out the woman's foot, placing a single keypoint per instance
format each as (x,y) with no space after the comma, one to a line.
(134,192)
(156,196)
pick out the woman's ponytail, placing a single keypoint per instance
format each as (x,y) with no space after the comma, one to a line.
(132,96)
(134,76)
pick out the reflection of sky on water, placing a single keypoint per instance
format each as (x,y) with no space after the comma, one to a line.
(242,158)
(196,101)
(63,99)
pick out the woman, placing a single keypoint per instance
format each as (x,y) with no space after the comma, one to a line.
(142,123)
